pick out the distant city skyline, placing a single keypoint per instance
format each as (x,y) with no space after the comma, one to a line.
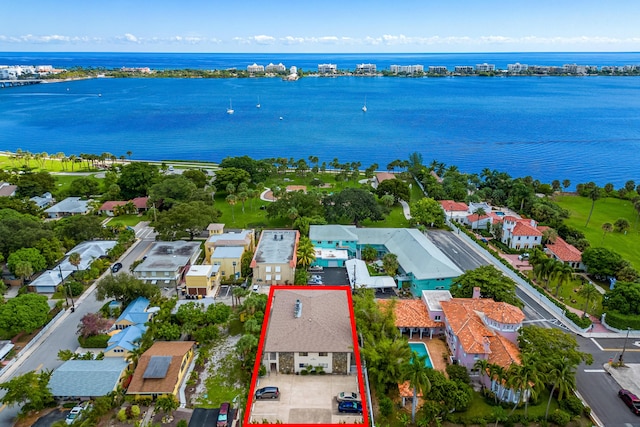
(329,26)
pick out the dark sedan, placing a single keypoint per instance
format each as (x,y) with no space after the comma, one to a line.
(350,407)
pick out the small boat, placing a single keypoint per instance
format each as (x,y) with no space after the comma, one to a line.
(258,104)
(230,110)
(364,107)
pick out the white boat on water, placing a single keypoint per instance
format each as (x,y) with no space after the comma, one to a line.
(230,110)
(364,107)
(258,104)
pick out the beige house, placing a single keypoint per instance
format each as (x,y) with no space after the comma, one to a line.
(275,259)
(219,239)
(166,262)
(227,259)
(309,328)
(202,280)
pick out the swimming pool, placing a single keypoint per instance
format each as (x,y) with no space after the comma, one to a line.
(499,213)
(421,349)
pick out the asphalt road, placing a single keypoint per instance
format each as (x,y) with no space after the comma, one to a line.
(596,387)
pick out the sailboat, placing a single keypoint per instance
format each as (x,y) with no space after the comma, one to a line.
(364,107)
(258,104)
(230,110)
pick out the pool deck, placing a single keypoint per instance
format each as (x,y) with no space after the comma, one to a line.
(437,348)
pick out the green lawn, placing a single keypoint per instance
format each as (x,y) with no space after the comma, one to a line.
(605,210)
(63,182)
(126,220)
(50,165)
(569,293)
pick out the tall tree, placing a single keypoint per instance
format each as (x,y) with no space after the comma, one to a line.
(563,378)
(416,373)
(492,284)
(306,253)
(588,292)
(30,390)
(390,263)
(428,212)
(136,179)
(186,220)
(593,192)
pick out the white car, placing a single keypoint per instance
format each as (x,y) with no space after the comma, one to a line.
(255,288)
(74,414)
(347,396)
(316,278)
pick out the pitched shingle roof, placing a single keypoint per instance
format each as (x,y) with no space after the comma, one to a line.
(87,378)
(324,324)
(176,350)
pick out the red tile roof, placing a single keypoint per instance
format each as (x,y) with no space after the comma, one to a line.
(108,206)
(522,229)
(140,202)
(411,314)
(464,316)
(475,217)
(383,176)
(564,251)
(453,206)
(503,351)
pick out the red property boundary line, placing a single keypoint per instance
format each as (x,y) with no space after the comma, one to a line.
(356,351)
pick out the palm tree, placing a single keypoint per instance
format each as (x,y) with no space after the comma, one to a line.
(563,377)
(388,200)
(306,253)
(75,259)
(243,196)
(593,192)
(415,371)
(23,269)
(526,378)
(543,269)
(482,365)
(566,183)
(496,373)
(607,227)
(129,153)
(587,291)
(232,200)
(562,273)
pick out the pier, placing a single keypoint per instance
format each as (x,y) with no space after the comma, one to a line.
(14,83)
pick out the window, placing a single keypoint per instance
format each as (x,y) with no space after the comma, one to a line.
(302,365)
(222,272)
(303,354)
(330,242)
(277,269)
(437,317)
(166,273)
(267,277)
(272,355)
(323,354)
(268,269)
(278,277)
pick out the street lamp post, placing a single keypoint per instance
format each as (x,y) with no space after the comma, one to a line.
(624,347)
(73,306)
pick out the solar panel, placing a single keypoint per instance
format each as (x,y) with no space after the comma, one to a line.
(157,367)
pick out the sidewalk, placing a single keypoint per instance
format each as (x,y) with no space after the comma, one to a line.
(405,209)
(627,377)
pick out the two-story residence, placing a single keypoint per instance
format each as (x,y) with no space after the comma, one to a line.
(202,280)
(166,262)
(309,328)
(129,328)
(218,238)
(477,328)
(275,258)
(520,233)
(422,266)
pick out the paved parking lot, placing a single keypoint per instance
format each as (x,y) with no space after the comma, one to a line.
(332,276)
(305,399)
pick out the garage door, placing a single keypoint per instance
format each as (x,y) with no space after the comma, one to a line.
(333,264)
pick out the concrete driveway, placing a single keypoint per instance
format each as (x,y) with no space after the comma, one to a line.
(304,399)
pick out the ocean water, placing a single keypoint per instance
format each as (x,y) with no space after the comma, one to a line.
(577,128)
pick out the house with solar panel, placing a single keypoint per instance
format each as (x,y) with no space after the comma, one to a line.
(162,369)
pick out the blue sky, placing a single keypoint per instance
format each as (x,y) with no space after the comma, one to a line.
(319,26)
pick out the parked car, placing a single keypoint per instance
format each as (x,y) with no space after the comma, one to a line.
(347,396)
(316,278)
(523,256)
(255,288)
(74,414)
(350,407)
(116,267)
(316,268)
(632,401)
(267,393)
(223,415)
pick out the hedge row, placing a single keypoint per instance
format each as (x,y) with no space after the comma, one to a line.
(622,321)
(580,322)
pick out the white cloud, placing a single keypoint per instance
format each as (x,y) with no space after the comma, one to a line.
(131,38)
(262,39)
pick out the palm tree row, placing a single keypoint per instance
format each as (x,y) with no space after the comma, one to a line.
(527,378)
(549,270)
